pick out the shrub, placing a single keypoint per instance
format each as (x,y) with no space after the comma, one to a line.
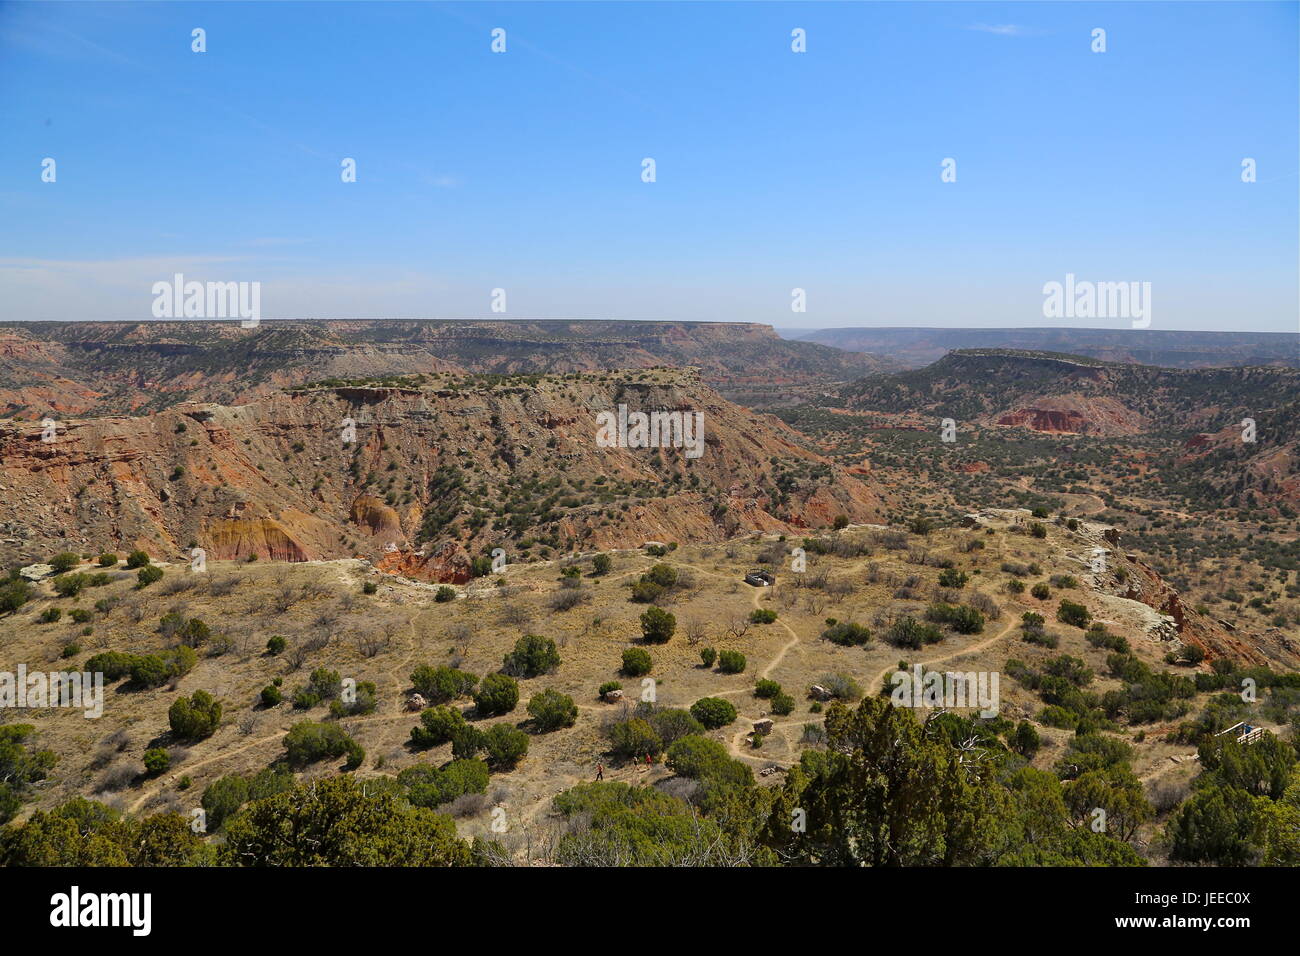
(567,599)
(552,710)
(766,689)
(952,578)
(601,564)
(275,644)
(609,685)
(107,560)
(731,662)
(444,594)
(64,561)
(841,686)
(644,592)
(1025,741)
(1071,613)
(963,620)
(112,664)
(437,726)
(70,585)
(505,745)
(713,712)
(657,625)
(762,615)
(664,575)
(497,694)
(782,704)
(466,742)
(137,559)
(307,742)
(635,738)
(365,698)
(222,798)
(194,633)
(154,670)
(194,717)
(847,634)
(696,756)
(636,661)
(708,655)
(324,683)
(1038,529)
(148,575)
(438,685)
(910,633)
(672,724)
(369,587)
(156,761)
(271,696)
(1041,591)
(79,615)
(14,594)
(50,615)
(533,655)
(428,786)
(1040,637)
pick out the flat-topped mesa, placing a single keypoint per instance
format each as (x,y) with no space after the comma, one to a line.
(86,368)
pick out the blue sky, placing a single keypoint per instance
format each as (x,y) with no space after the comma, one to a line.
(775,170)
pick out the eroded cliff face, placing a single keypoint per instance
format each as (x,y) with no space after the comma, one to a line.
(1074,414)
(1130,577)
(497,465)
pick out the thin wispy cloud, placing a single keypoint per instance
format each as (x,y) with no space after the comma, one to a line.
(1004,30)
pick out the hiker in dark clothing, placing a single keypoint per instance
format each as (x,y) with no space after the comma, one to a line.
(600,771)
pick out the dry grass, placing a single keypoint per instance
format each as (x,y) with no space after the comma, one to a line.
(319,608)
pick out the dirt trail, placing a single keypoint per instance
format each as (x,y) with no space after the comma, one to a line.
(960,652)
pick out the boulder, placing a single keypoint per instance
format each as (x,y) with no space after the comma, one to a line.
(416,702)
(819,692)
(613,696)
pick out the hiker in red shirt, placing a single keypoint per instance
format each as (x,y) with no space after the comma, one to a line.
(600,771)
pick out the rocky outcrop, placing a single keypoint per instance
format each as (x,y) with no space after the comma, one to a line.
(449,563)
(376,517)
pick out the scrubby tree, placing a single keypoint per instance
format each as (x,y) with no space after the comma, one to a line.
(533,655)
(713,712)
(634,738)
(437,726)
(438,685)
(339,822)
(156,761)
(657,625)
(636,661)
(427,786)
(194,717)
(731,662)
(1216,825)
(552,710)
(1069,612)
(497,694)
(505,745)
(307,742)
